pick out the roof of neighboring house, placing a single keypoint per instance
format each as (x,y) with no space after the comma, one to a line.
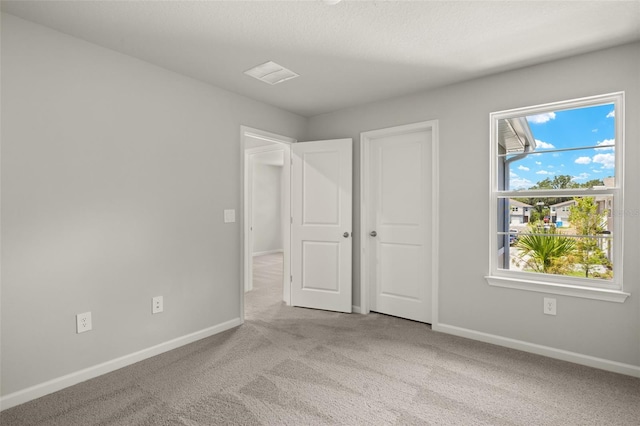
(564,203)
(517,203)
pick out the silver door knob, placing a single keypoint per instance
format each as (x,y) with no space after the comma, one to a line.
(346,235)
(373,233)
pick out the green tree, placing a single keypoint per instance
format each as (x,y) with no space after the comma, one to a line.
(591,183)
(563,181)
(543,184)
(589,223)
(539,212)
(558,182)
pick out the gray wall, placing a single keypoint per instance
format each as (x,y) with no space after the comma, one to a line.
(601,329)
(267,203)
(115,174)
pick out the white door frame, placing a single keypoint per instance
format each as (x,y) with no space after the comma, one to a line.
(365,186)
(245,243)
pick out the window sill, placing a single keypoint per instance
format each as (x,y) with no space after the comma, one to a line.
(562,289)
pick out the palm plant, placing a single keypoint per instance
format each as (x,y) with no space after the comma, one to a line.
(544,252)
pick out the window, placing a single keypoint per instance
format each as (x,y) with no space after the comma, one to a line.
(563,161)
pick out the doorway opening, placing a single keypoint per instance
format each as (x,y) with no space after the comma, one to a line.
(314,223)
(265,215)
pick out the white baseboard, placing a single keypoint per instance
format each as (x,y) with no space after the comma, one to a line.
(589,361)
(71,379)
(355,309)
(262,253)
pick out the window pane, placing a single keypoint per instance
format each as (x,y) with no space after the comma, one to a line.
(570,147)
(584,168)
(554,253)
(569,236)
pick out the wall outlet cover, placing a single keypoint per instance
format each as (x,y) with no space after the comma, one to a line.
(549,306)
(83,322)
(157,305)
(229,216)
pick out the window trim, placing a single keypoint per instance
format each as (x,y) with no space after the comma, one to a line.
(557,288)
(548,283)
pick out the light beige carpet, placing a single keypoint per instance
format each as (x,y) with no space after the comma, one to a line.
(304,367)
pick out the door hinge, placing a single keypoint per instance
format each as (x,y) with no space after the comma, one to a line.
(290,278)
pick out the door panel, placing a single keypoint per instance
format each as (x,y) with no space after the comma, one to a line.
(400,213)
(399,260)
(320,266)
(400,200)
(321,178)
(321,217)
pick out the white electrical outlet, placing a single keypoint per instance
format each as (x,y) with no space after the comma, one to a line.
(549,306)
(229,216)
(83,322)
(157,305)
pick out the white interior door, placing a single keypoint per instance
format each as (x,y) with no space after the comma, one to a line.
(321,224)
(399,222)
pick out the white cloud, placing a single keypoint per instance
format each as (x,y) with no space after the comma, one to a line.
(512,174)
(541,118)
(594,131)
(544,145)
(611,114)
(606,142)
(596,171)
(583,160)
(608,161)
(538,162)
(520,183)
(581,176)
(521,167)
(544,172)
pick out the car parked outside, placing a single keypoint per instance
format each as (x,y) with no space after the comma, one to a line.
(513,236)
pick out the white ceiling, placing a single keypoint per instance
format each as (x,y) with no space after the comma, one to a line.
(346,54)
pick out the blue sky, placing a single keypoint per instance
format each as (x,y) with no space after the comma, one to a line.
(581,127)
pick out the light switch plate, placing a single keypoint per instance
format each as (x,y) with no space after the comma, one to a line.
(229,216)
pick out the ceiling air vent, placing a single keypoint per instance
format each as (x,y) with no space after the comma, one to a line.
(271,73)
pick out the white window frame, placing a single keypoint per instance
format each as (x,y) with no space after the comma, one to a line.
(610,290)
